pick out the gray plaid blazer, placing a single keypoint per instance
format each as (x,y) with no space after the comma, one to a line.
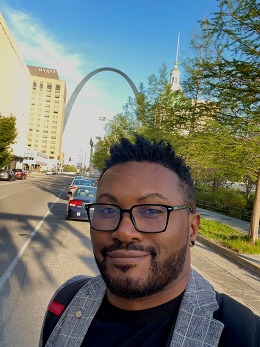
(195,325)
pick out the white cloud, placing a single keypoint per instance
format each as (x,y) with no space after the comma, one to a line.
(40,47)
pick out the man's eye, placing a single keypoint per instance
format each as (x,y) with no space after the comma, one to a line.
(151,212)
(108,211)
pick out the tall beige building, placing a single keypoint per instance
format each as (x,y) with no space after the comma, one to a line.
(46,115)
(14,88)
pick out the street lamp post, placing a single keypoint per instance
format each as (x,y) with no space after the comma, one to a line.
(91,143)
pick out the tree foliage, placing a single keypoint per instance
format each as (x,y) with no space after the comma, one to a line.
(232,77)
(69,168)
(8,134)
(214,122)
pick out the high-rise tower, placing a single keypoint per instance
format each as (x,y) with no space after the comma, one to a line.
(46,117)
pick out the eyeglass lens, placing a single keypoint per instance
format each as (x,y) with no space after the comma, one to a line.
(146,218)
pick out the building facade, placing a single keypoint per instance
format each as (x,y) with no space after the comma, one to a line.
(46,114)
(14,88)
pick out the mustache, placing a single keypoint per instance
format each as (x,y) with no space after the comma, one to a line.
(129,247)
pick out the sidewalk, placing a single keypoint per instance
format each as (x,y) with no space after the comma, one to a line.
(249,261)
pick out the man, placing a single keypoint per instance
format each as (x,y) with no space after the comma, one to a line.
(142,226)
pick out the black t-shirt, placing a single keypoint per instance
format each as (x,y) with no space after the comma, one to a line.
(113,327)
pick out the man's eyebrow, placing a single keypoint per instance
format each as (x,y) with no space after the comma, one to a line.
(109,196)
(143,198)
(152,195)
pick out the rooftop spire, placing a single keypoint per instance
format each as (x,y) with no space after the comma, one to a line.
(177,50)
(175,74)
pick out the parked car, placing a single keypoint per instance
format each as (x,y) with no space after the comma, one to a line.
(7,175)
(81,181)
(20,174)
(82,196)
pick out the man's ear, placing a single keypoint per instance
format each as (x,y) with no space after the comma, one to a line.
(194,227)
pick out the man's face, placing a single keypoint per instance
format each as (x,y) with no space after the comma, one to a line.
(134,264)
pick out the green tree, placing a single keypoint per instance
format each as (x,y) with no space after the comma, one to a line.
(8,135)
(69,168)
(232,77)
(120,126)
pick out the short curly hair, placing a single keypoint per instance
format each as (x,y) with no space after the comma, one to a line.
(158,152)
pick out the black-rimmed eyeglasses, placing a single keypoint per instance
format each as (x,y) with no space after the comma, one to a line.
(146,218)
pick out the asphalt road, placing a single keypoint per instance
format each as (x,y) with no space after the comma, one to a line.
(39,250)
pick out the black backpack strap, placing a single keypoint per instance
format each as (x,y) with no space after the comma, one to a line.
(58,305)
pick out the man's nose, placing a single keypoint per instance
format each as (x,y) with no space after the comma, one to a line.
(126,231)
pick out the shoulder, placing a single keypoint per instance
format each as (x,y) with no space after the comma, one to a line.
(71,285)
(241,325)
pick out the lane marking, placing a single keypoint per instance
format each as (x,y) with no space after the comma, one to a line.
(3,197)
(5,277)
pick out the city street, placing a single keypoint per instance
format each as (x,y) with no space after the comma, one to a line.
(39,250)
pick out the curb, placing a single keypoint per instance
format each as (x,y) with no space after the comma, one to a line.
(237,258)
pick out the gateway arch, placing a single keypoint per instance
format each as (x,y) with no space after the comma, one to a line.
(85,79)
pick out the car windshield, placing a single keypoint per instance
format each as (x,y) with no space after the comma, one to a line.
(87,192)
(82,182)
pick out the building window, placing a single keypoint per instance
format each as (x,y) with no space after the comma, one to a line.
(57,89)
(41,86)
(34,85)
(49,86)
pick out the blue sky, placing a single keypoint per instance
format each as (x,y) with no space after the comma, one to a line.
(77,37)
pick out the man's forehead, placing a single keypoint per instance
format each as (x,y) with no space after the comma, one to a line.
(137,168)
(147,178)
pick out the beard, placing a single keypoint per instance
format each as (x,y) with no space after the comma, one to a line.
(160,274)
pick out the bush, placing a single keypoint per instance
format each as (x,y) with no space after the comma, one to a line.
(222,196)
